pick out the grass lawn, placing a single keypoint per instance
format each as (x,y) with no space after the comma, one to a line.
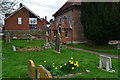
(109,49)
(15,63)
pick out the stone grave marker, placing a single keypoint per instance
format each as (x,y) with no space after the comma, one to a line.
(7,37)
(47,45)
(118,46)
(57,42)
(43,73)
(14,48)
(31,69)
(105,63)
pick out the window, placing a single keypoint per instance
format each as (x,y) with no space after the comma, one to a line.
(66,34)
(19,20)
(54,34)
(32,20)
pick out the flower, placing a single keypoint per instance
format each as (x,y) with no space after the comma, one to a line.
(45,61)
(76,62)
(53,66)
(53,63)
(71,58)
(77,65)
(72,67)
(60,66)
(71,62)
(56,68)
(65,64)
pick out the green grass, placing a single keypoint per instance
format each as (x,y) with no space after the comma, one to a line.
(15,63)
(109,49)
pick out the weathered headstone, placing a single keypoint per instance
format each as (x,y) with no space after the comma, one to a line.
(105,62)
(47,45)
(57,41)
(14,48)
(43,73)
(31,69)
(7,37)
(30,38)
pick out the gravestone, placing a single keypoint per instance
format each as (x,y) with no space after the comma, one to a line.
(57,42)
(31,69)
(105,63)
(43,73)
(7,37)
(30,38)
(118,46)
(47,45)
(14,48)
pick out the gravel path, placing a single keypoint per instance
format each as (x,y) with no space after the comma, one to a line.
(112,56)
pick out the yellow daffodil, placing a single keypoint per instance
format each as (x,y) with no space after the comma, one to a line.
(65,64)
(56,68)
(76,62)
(53,66)
(53,63)
(71,62)
(71,58)
(77,65)
(45,61)
(72,68)
(60,66)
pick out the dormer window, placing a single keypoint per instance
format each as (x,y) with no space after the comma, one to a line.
(32,20)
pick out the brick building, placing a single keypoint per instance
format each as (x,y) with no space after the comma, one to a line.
(24,19)
(67,21)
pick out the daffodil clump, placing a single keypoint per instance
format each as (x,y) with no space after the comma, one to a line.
(70,64)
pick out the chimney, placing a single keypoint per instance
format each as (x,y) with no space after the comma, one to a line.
(21,5)
(45,17)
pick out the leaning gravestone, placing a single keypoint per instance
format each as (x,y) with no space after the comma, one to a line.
(31,69)
(43,73)
(105,63)
(47,45)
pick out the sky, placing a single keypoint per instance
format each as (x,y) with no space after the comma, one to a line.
(43,7)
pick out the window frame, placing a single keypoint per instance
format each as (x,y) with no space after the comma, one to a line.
(19,20)
(32,20)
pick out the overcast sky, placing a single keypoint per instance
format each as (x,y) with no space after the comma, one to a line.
(43,7)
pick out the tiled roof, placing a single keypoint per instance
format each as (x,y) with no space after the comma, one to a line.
(67,5)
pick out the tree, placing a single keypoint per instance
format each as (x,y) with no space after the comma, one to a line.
(101,21)
(6,7)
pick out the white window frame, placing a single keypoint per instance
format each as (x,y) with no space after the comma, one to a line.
(65,35)
(19,20)
(32,20)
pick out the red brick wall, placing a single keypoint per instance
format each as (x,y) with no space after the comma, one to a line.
(12,22)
